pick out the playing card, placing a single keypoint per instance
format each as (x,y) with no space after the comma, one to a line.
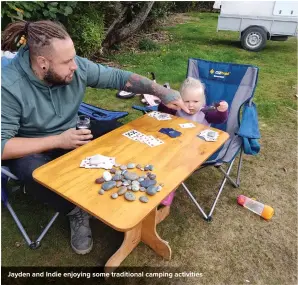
(131,134)
(208,135)
(159,116)
(187,125)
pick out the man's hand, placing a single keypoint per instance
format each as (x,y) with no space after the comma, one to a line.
(177,105)
(73,138)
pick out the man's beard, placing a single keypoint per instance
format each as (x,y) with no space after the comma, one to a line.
(53,78)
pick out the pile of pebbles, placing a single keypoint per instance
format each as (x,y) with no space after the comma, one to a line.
(129,182)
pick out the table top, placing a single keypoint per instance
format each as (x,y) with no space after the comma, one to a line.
(173,162)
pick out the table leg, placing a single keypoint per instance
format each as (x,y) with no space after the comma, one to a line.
(152,239)
(131,239)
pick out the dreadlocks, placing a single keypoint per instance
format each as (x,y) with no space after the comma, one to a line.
(38,34)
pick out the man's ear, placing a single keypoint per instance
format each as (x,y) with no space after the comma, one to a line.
(43,63)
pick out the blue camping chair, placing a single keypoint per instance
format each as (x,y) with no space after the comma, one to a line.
(234,83)
(94,113)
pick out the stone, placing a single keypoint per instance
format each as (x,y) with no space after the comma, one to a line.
(161,184)
(144,199)
(119,184)
(148,167)
(122,190)
(123,171)
(143,176)
(108,185)
(101,191)
(146,183)
(142,189)
(118,172)
(117,177)
(114,195)
(131,175)
(99,180)
(129,196)
(125,183)
(158,188)
(152,176)
(151,190)
(123,167)
(129,182)
(142,169)
(117,165)
(141,179)
(139,166)
(129,187)
(113,170)
(135,188)
(135,182)
(131,166)
(107,176)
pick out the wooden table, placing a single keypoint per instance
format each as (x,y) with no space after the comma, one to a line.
(173,162)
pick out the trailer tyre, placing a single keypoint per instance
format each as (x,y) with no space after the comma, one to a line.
(254,39)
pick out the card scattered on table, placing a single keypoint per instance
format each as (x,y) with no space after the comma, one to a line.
(187,125)
(140,137)
(160,116)
(98,161)
(208,135)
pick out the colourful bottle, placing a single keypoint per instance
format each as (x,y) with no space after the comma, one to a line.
(262,210)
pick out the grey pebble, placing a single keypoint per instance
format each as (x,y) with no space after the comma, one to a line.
(108,185)
(123,167)
(117,177)
(101,191)
(118,184)
(129,187)
(144,199)
(131,165)
(135,188)
(122,190)
(151,190)
(158,188)
(146,183)
(118,172)
(142,189)
(131,175)
(139,166)
(114,195)
(141,179)
(130,196)
(113,170)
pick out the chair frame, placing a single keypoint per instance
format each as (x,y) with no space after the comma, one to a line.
(33,244)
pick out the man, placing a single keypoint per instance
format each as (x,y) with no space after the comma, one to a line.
(42,90)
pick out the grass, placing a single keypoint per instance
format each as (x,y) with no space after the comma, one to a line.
(238,247)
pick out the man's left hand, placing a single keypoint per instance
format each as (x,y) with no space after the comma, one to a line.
(177,105)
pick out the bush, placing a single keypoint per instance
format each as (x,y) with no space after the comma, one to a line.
(147,44)
(86,29)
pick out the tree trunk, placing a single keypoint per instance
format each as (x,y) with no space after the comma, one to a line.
(116,36)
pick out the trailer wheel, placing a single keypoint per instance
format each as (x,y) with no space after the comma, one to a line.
(254,39)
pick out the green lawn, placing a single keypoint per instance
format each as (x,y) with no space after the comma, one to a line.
(238,247)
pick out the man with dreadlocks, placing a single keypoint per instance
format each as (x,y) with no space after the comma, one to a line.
(42,89)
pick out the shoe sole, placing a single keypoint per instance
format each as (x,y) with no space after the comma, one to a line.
(82,251)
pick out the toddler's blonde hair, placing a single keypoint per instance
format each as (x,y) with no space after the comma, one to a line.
(193,83)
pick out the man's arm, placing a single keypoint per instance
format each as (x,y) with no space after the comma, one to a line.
(99,76)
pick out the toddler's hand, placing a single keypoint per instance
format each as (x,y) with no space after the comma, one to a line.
(223,106)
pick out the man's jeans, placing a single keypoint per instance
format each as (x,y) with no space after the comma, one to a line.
(23,168)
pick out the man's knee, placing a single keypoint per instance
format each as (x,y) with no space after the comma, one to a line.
(24,166)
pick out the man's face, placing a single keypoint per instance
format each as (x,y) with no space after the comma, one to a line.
(62,63)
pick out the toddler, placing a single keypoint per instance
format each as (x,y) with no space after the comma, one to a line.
(193,94)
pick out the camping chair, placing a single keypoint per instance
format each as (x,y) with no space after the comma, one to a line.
(6,175)
(94,113)
(234,83)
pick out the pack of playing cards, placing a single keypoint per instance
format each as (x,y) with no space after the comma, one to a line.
(98,161)
(142,138)
(160,116)
(208,135)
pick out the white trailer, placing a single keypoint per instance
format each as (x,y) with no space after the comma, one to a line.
(258,21)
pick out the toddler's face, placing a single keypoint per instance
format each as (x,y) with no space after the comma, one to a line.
(193,99)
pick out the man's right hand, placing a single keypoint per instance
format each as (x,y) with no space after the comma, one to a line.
(73,138)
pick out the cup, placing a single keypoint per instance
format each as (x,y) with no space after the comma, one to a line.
(83,122)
